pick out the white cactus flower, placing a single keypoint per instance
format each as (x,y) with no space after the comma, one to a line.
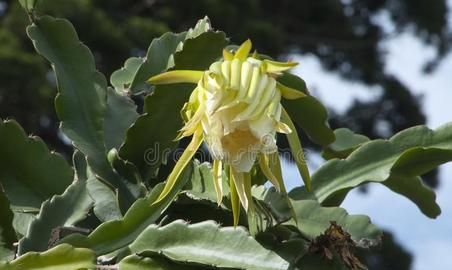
(236,110)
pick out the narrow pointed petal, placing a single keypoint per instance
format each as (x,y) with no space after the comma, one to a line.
(181,164)
(263,163)
(218,180)
(249,196)
(289,93)
(244,50)
(235,202)
(239,183)
(297,150)
(193,124)
(275,167)
(227,55)
(177,76)
(277,67)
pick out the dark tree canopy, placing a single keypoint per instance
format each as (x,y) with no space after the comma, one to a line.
(342,34)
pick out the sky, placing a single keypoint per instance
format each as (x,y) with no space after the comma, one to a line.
(430,241)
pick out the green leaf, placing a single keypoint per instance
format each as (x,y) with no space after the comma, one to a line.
(60,211)
(29,172)
(406,155)
(7,233)
(202,186)
(62,257)
(135,262)
(313,220)
(22,220)
(120,115)
(106,205)
(202,26)
(6,253)
(319,262)
(156,60)
(346,142)
(294,82)
(148,149)
(122,78)
(414,189)
(28,5)
(116,234)
(275,201)
(297,151)
(307,112)
(286,242)
(207,243)
(81,103)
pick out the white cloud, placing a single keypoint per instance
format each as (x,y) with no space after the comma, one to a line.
(329,87)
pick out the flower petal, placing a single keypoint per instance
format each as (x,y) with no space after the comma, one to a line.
(270,66)
(218,179)
(236,70)
(194,123)
(181,164)
(265,99)
(244,50)
(261,127)
(247,188)
(239,182)
(227,55)
(263,163)
(235,202)
(177,76)
(290,93)
(243,162)
(226,70)
(297,150)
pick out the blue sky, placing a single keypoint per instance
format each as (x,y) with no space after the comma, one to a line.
(429,240)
